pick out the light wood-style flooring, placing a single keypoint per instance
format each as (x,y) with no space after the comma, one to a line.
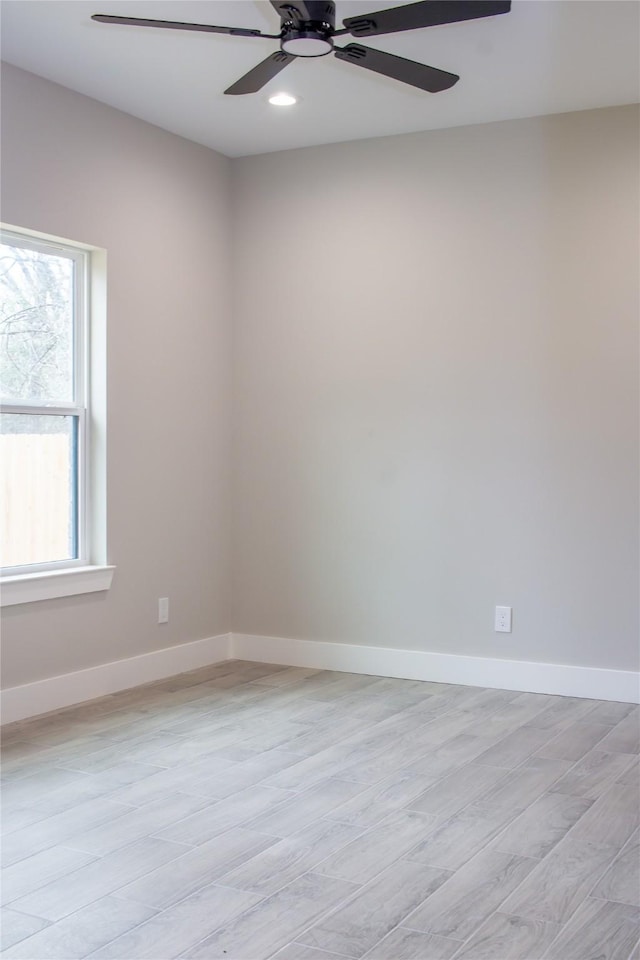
(247,811)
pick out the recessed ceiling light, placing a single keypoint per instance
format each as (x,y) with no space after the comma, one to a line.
(282,100)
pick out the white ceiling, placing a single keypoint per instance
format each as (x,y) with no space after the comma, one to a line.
(545,56)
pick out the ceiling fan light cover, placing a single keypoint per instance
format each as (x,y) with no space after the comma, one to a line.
(306,43)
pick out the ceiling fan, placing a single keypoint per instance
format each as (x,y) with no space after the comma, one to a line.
(307,29)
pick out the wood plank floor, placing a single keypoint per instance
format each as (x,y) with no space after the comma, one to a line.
(248,811)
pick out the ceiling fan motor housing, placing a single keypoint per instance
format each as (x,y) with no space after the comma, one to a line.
(311,37)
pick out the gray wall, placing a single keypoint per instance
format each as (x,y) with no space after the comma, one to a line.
(434,384)
(435,376)
(160,206)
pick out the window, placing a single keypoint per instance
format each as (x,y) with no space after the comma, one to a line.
(45,469)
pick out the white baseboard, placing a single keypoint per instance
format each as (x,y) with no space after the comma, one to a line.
(31,699)
(568,681)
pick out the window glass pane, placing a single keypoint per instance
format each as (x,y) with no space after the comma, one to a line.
(37,488)
(36,325)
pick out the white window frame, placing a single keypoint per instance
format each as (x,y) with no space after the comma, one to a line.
(80,574)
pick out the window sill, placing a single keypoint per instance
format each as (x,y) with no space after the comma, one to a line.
(30,587)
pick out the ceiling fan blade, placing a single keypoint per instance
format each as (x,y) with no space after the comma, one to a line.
(429,13)
(260,75)
(407,71)
(177,25)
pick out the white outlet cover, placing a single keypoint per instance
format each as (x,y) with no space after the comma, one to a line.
(503,620)
(163,610)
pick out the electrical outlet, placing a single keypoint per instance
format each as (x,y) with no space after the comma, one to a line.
(503,620)
(163,610)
